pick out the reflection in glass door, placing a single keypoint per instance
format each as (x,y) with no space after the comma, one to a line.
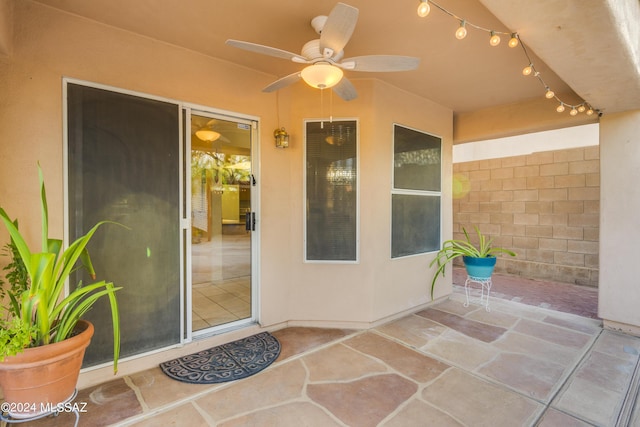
(220,233)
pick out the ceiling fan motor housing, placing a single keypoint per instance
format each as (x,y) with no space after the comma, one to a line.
(311,51)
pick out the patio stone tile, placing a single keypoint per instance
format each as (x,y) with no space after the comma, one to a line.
(618,344)
(456,307)
(294,414)
(365,402)
(516,342)
(479,403)
(555,418)
(580,324)
(553,333)
(102,405)
(518,309)
(108,403)
(296,340)
(458,349)
(276,385)
(414,331)
(418,413)
(590,402)
(340,363)
(607,371)
(413,364)
(158,389)
(183,415)
(481,331)
(532,377)
(493,317)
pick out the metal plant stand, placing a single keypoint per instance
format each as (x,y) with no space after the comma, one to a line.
(9,420)
(485,284)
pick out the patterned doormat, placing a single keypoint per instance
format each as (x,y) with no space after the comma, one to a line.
(227,362)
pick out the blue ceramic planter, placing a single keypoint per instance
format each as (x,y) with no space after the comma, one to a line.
(480,268)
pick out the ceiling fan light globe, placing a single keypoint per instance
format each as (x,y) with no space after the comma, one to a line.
(321,76)
(207,135)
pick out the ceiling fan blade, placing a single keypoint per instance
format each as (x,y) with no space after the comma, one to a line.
(266,50)
(285,81)
(338,29)
(345,90)
(380,63)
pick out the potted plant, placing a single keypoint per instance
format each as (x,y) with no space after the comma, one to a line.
(479,260)
(41,325)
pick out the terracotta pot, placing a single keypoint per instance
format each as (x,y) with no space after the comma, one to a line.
(41,377)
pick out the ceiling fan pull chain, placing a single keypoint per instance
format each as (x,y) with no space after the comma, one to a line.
(321,110)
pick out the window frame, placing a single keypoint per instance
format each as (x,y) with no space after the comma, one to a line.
(413,192)
(304,192)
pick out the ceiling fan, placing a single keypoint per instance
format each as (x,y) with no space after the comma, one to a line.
(325,55)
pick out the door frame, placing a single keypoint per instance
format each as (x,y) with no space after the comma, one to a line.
(254,123)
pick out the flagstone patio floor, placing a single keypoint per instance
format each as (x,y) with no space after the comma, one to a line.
(448,365)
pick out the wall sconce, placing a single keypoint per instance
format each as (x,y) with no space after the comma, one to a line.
(282,138)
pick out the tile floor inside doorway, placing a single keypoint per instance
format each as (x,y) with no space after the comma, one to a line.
(221,275)
(447,365)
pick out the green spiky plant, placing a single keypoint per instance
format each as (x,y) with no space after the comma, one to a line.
(41,314)
(452,249)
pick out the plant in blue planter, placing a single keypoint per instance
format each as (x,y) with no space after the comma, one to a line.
(479,260)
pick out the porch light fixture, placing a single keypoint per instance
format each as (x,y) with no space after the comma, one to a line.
(321,75)
(207,135)
(424,7)
(282,138)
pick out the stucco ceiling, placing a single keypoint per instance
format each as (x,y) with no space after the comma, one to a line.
(465,75)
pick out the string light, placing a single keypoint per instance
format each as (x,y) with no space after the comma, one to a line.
(424,7)
(495,39)
(549,93)
(461,32)
(513,41)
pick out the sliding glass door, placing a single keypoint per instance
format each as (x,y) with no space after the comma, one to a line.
(222,220)
(181,184)
(124,166)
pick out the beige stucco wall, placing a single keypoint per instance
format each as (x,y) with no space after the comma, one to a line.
(619,291)
(48,45)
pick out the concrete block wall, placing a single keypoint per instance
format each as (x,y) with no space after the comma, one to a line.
(544,206)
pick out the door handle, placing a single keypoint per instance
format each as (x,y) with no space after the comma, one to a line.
(250,221)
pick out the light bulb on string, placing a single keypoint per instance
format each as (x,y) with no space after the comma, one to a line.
(549,94)
(581,108)
(423,8)
(573,111)
(527,70)
(513,41)
(589,112)
(495,39)
(560,108)
(461,32)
